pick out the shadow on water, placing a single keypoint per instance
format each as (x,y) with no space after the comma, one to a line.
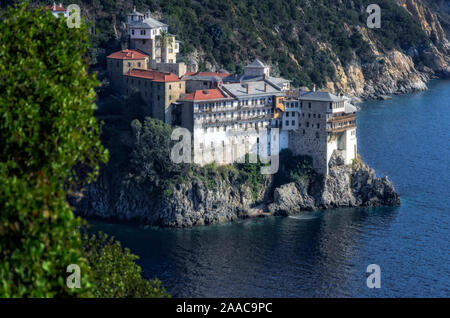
(305,255)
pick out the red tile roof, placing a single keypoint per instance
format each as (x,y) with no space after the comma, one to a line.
(127,55)
(206,74)
(153,75)
(56,8)
(207,94)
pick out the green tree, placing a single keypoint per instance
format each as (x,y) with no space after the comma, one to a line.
(48,134)
(114,271)
(46,128)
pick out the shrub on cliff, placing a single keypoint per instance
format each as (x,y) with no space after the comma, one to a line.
(150,158)
(293,168)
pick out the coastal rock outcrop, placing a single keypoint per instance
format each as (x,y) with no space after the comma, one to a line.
(187,204)
(195,203)
(344,186)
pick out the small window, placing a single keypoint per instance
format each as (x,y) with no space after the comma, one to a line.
(293,123)
(318,126)
(139,64)
(309,105)
(287,122)
(287,114)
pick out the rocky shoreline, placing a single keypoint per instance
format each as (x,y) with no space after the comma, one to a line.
(194,203)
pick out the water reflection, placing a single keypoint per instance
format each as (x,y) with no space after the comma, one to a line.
(273,257)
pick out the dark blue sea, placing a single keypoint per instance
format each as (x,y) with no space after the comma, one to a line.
(326,254)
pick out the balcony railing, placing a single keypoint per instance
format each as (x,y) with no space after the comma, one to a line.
(237,121)
(337,129)
(336,118)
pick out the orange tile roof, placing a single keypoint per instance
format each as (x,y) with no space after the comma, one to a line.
(153,75)
(57,7)
(207,94)
(127,55)
(206,74)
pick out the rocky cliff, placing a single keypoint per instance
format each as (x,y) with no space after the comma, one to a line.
(345,186)
(125,191)
(189,204)
(397,71)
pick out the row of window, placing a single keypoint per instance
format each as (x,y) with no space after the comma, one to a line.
(129,64)
(291,113)
(144,32)
(313,115)
(300,124)
(287,123)
(142,83)
(245,126)
(296,104)
(238,114)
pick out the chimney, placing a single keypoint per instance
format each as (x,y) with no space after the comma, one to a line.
(60,4)
(248,88)
(134,8)
(314,88)
(265,87)
(54,6)
(132,55)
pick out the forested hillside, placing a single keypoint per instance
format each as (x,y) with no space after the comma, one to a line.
(310,42)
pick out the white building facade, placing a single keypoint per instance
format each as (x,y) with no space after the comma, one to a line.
(146,34)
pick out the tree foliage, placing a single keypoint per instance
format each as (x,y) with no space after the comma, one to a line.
(301,39)
(115,272)
(293,168)
(47,128)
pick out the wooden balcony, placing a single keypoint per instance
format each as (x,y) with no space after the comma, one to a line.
(339,118)
(225,122)
(344,127)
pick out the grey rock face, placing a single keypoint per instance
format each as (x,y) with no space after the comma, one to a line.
(344,186)
(291,198)
(194,203)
